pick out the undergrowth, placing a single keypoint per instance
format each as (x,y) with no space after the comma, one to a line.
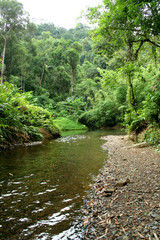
(20,119)
(66,124)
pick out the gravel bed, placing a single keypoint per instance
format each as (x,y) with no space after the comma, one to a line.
(125,198)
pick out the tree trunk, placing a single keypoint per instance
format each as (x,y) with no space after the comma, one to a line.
(42,75)
(131,93)
(3,58)
(132,98)
(21,79)
(72,82)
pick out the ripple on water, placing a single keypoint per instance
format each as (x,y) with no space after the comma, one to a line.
(69,139)
(54,219)
(38,210)
(42,199)
(67,234)
(24,220)
(46,191)
(67,200)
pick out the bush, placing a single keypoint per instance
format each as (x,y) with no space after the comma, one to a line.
(72,108)
(66,124)
(33,133)
(146,116)
(20,120)
(152,136)
(151,110)
(105,114)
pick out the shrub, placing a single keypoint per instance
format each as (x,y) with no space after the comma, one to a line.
(66,124)
(105,114)
(152,136)
(20,120)
(72,107)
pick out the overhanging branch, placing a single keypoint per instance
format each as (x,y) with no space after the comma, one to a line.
(141,44)
(154,43)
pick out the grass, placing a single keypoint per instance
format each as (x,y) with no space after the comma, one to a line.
(66,124)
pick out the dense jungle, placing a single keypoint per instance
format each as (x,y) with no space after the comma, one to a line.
(54,79)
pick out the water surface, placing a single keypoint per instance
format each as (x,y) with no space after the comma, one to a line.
(43,186)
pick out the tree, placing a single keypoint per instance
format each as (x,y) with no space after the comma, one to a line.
(22,60)
(73,59)
(137,21)
(11,19)
(44,48)
(128,24)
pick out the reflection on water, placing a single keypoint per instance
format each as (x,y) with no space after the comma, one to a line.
(43,186)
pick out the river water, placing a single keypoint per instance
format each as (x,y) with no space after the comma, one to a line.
(43,187)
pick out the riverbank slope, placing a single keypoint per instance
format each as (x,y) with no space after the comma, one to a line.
(125,198)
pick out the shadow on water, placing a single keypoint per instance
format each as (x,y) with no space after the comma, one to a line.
(43,186)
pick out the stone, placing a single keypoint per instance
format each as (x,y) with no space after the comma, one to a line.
(125,238)
(122,184)
(109,190)
(154,215)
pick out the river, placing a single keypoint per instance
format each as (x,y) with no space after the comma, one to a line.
(43,187)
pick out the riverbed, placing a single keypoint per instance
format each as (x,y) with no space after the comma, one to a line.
(43,187)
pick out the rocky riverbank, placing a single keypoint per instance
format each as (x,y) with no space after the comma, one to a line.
(125,198)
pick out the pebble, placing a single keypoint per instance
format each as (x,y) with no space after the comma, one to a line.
(125,238)
(154,215)
(154,227)
(126,207)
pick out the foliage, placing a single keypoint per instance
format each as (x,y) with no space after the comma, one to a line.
(125,27)
(19,119)
(12,21)
(9,115)
(101,77)
(66,124)
(104,114)
(148,111)
(152,136)
(32,133)
(43,99)
(73,107)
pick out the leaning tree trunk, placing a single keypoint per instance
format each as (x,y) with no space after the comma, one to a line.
(3,58)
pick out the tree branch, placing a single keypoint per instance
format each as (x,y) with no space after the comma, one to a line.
(137,51)
(141,43)
(154,43)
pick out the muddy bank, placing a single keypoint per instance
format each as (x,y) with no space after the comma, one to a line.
(125,198)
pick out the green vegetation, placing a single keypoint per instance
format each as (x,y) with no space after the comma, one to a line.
(66,124)
(103,77)
(20,120)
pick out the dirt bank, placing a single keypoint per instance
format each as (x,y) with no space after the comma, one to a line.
(125,199)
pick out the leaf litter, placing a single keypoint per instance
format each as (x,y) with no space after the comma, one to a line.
(124,201)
